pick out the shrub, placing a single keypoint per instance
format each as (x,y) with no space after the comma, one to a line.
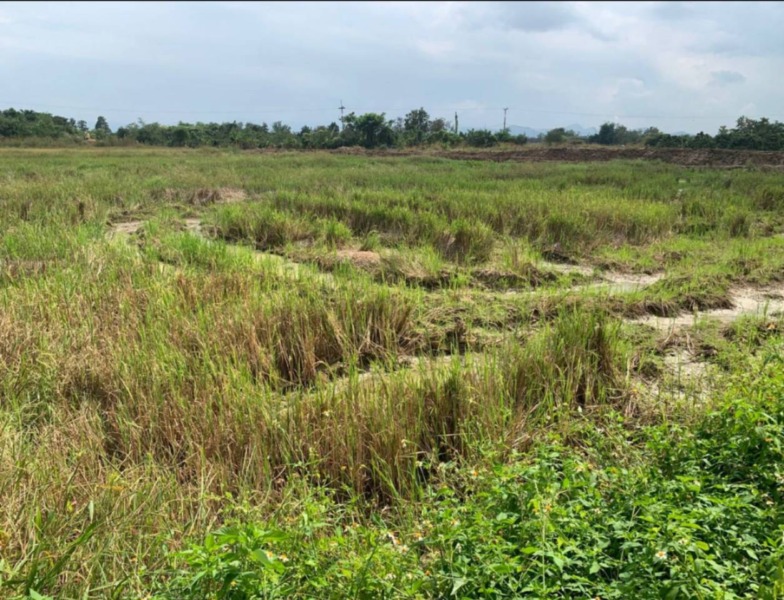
(480,138)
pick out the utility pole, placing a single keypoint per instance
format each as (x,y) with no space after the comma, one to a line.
(505,109)
(341,108)
(457,130)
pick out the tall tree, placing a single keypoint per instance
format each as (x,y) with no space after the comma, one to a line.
(373,130)
(416,125)
(102,128)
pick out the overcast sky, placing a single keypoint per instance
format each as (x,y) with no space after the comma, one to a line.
(679,66)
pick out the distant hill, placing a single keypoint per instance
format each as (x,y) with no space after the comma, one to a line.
(526,131)
(533,133)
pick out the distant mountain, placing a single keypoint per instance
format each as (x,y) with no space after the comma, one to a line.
(582,131)
(532,132)
(526,131)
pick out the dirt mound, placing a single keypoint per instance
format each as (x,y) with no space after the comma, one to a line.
(360,258)
(353,150)
(680,156)
(537,153)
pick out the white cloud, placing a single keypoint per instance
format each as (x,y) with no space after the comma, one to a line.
(553,63)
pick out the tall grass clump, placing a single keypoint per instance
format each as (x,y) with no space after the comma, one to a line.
(261,225)
(573,364)
(467,242)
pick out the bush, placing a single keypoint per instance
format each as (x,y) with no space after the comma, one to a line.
(480,138)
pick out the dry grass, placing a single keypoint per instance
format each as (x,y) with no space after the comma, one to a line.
(143,377)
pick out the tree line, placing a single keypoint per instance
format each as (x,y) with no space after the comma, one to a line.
(369,130)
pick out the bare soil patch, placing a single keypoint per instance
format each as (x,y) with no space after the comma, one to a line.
(125,228)
(624,282)
(193,226)
(744,301)
(680,156)
(570,268)
(363,259)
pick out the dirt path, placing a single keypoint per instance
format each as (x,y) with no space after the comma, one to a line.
(125,228)
(620,283)
(746,301)
(283,266)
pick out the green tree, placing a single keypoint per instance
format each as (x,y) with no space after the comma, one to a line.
(606,136)
(416,126)
(611,134)
(102,128)
(373,130)
(555,136)
(437,125)
(480,138)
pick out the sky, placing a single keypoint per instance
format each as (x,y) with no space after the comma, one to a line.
(678,66)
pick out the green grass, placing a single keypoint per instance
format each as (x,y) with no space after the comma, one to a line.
(370,368)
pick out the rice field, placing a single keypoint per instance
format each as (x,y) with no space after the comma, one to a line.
(314,375)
